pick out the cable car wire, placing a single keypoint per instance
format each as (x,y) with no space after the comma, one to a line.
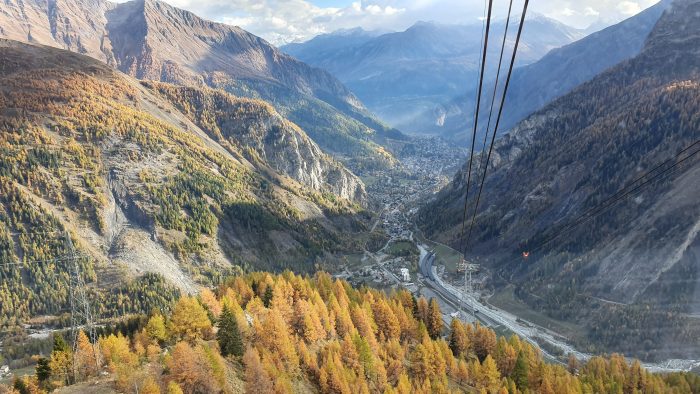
(498,118)
(476,122)
(609,202)
(495,86)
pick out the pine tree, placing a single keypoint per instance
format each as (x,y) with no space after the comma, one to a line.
(228,336)
(59,344)
(43,369)
(521,372)
(267,297)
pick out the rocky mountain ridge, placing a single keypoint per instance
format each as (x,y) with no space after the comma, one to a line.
(149,39)
(402,76)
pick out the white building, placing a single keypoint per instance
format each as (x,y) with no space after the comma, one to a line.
(405,276)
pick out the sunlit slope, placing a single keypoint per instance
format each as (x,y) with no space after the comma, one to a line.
(144,189)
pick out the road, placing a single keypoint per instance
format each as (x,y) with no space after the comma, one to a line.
(494,317)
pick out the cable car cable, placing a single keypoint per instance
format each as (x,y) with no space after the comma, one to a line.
(476,121)
(498,118)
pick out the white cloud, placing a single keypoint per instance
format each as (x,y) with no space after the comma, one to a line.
(282,21)
(629,7)
(568,12)
(590,11)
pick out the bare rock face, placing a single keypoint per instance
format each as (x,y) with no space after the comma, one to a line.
(255,125)
(150,39)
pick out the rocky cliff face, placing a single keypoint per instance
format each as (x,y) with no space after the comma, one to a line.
(245,125)
(149,39)
(639,256)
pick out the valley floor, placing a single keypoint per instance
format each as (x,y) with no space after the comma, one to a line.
(432,272)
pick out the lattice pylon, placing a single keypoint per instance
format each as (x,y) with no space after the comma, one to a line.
(81,311)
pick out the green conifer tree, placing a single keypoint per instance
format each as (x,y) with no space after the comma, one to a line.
(267,297)
(229,337)
(520,372)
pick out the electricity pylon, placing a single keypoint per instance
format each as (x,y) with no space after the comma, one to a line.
(81,312)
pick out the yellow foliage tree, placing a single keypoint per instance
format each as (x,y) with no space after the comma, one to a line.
(191,369)
(257,381)
(85,358)
(209,299)
(189,319)
(155,328)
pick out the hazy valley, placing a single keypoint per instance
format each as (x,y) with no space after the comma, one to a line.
(247,222)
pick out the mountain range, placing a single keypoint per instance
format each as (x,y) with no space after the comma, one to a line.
(399,75)
(628,274)
(558,72)
(152,40)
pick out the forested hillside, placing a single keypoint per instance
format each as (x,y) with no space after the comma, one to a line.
(152,40)
(141,188)
(628,274)
(263,333)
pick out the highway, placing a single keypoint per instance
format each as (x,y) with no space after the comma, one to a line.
(494,317)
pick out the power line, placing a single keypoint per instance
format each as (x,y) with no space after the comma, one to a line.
(476,120)
(498,118)
(669,171)
(57,259)
(495,86)
(609,202)
(482,62)
(641,177)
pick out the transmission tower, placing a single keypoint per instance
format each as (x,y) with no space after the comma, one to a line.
(467,269)
(81,312)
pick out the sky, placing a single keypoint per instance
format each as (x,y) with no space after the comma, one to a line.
(284,21)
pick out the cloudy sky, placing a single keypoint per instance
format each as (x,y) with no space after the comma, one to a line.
(282,21)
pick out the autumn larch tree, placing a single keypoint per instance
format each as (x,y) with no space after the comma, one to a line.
(458,340)
(190,319)
(434,321)
(257,380)
(85,358)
